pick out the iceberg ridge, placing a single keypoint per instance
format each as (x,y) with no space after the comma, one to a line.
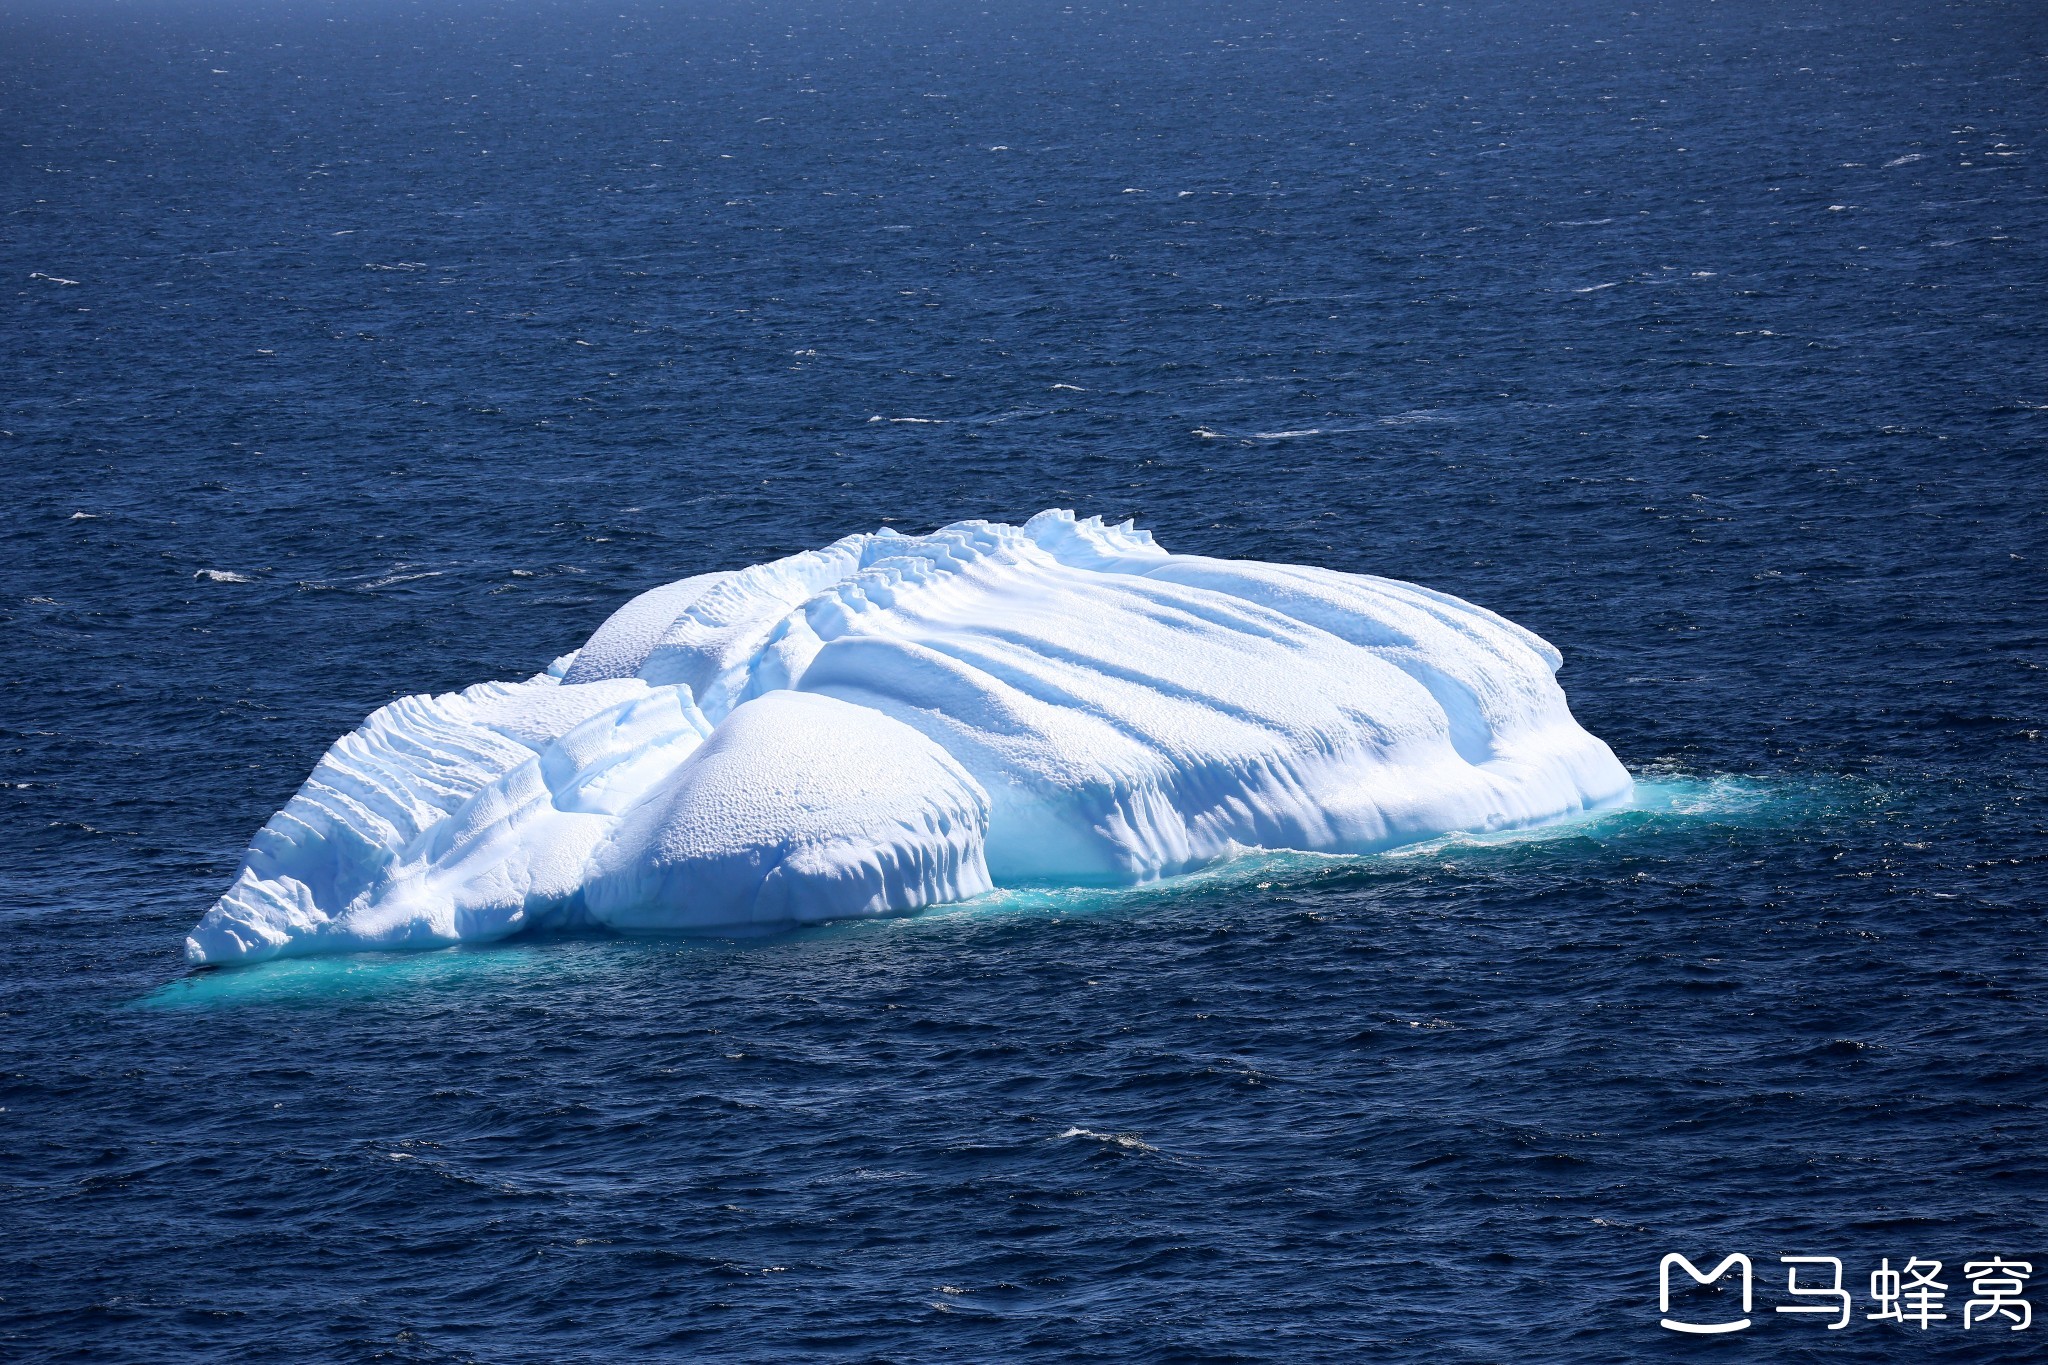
(898,721)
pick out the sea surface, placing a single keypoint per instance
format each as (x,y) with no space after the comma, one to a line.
(357,350)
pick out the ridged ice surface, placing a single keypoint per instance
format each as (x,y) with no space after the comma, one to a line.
(895,721)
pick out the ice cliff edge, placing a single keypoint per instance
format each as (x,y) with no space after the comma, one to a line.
(897,721)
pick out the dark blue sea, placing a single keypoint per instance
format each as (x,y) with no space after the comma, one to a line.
(357,350)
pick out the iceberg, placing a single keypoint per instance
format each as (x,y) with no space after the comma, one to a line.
(898,721)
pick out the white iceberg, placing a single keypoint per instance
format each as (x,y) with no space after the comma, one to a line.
(899,721)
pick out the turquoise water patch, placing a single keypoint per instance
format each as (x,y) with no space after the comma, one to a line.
(332,979)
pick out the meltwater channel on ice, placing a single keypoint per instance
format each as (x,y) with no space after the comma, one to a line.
(898,721)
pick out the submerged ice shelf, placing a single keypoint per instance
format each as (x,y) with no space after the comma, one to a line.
(899,721)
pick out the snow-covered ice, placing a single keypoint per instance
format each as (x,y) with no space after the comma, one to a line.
(898,721)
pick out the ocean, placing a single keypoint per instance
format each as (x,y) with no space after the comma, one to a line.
(360,350)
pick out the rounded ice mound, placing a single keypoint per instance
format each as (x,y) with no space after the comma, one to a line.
(893,721)
(799,808)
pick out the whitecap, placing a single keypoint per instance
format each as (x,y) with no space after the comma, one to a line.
(392,580)
(1130,1142)
(223,576)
